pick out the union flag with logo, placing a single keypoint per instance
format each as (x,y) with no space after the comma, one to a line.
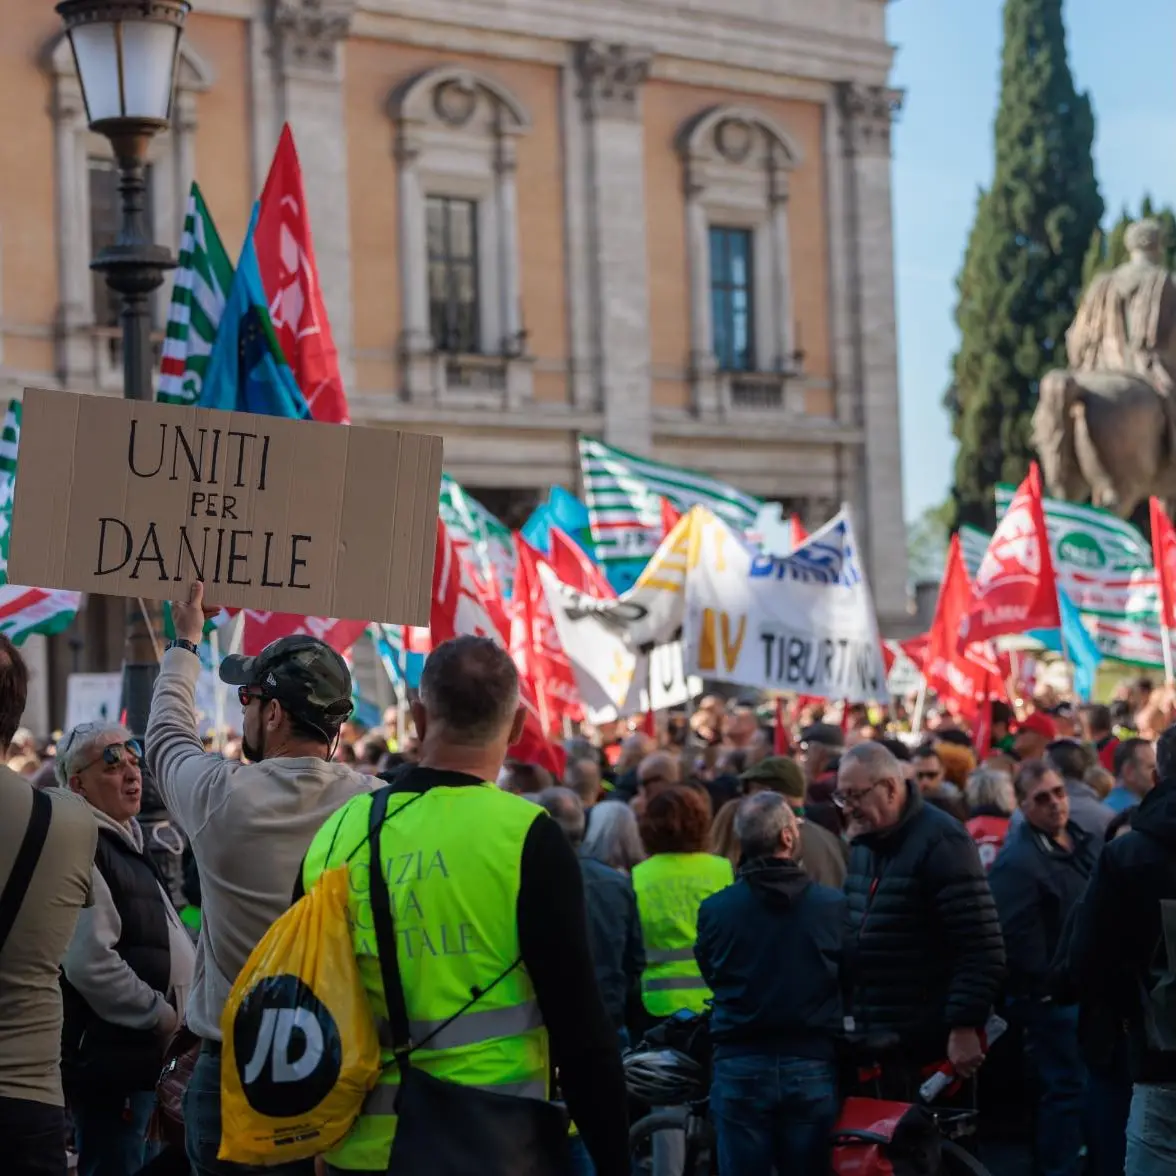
(1014,590)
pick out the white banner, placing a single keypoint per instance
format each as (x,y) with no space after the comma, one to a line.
(804,622)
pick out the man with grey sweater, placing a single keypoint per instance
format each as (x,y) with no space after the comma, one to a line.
(249,824)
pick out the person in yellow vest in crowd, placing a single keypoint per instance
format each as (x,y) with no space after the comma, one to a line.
(670,885)
(471,939)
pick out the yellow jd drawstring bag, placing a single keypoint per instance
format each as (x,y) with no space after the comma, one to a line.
(300,1051)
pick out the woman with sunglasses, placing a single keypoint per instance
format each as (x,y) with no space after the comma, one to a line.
(128,966)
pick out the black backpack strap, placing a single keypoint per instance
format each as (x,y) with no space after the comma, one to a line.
(386,932)
(385,928)
(25,864)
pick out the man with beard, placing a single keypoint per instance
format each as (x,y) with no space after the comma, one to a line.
(249,824)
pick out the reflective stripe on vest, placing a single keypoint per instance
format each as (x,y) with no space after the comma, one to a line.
(470,1028)
(452,861)
(382,1099)
(669,889)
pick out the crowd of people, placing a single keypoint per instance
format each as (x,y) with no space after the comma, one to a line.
(798,875)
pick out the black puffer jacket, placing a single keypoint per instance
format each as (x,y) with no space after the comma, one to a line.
(1123,949)
(924,944)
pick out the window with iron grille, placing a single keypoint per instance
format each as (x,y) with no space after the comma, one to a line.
(732,313)
(452,231)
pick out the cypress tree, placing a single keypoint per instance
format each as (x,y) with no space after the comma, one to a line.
(1023,269)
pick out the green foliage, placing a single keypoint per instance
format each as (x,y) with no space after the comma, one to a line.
(1109,249)
(1023,270)
(927,540)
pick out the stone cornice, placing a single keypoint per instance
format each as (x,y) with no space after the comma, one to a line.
(815,49)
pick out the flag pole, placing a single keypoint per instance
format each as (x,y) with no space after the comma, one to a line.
(1166,646)
(920,702)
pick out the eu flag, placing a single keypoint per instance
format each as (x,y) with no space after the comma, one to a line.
(247,371)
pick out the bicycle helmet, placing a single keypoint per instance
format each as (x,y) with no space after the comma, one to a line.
(664,1077)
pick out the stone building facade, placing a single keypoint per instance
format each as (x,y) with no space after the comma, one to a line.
(666,224)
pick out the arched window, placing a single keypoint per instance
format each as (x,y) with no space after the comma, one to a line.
(737,162)
(463,339)
(87,211)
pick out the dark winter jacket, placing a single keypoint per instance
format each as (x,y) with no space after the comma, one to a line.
(1123,950)
(1036,883)
(614,933)
(96,1052)
(769,948)
(924,944)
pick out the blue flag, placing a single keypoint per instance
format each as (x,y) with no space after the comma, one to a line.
(247,371)
(1074,642)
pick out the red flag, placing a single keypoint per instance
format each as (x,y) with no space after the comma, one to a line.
(670,515)
(649,724)
(1015,590)
(799,534)
(285,256)
(572,567)
(263,627)
(535,644)
(1164,555)
(461,605)
(960,678)
(780,740)
(916,648)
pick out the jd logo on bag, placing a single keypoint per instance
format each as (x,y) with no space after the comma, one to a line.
(287,1046)
(300,1050)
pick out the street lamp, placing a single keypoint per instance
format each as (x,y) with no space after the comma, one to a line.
(125,52)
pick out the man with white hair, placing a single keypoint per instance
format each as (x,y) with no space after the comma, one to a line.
(928,956)
(770,948)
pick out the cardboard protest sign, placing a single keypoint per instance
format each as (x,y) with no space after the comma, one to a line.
(137,499)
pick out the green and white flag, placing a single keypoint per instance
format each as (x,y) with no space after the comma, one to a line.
(24,611)
(1130,630)
(203,276)
(1103,563)
(476,530)
(623,493)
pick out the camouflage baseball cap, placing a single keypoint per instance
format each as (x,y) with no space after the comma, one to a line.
(302,673)
(779,774)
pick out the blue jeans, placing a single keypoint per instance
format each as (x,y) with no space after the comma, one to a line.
(110,1131)
(202,1127)
(1051,1051)
(1151,1131)
(774,1111)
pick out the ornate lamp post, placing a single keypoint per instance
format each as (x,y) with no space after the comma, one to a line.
(125,52)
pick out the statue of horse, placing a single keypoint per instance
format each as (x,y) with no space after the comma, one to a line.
(1106,427)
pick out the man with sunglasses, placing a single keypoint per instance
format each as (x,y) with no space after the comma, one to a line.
(249,824)
(1038,878)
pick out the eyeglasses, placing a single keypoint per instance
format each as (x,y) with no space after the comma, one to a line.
(246,695)
(116,753)
(925,775)
(852,799)
(1043,798)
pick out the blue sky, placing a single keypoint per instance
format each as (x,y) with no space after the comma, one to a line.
(948,62)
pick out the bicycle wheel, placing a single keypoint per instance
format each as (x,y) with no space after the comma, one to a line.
(957,1162)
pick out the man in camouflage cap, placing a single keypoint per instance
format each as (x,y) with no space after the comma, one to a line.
(308,680)
(249,824)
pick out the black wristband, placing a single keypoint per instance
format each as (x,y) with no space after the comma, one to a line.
(182,643)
